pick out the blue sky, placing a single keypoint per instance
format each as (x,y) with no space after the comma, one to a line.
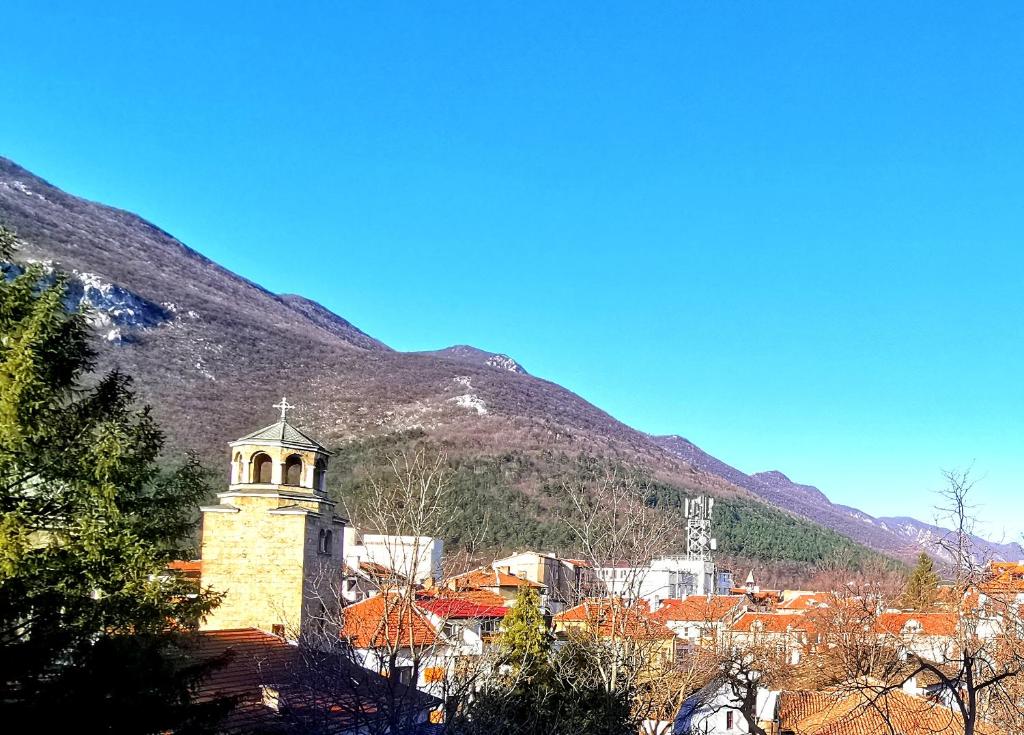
(790,232)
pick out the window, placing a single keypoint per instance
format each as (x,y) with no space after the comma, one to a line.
(293,470)
(729,720)
(319,468)
(262,469)
(236,468)
(403,674)
(326,542)
(433,674)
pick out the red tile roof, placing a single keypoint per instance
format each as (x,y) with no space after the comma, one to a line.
(480,597)
(386,620)
(612,617)
(485,578)
(252,660)
(931,624)
(455,608)
(839,712)
(771,623)
(697,608)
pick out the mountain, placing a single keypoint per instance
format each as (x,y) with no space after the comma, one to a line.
(902,538)
(211,351)
(475,356)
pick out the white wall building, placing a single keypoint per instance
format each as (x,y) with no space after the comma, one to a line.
(715,710)
(415,557)
(664,578)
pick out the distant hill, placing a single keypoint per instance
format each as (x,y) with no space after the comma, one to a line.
(211,351)
(902,538)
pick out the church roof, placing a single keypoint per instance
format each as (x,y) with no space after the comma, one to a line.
(282,431)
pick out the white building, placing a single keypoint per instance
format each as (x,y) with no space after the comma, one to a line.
(668,577)
(715,710)
(414,557)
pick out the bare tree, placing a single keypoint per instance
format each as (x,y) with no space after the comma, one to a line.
(615,526)
(419,654)
(971,654)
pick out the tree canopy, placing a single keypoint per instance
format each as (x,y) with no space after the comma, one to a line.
(922,585)
(88,523)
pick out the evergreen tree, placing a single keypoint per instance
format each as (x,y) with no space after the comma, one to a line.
(88,619)
(524,640)
(922,585)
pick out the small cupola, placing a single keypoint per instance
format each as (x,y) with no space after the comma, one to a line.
(279,456)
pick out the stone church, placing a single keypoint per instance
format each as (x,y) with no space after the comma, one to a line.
(273,543)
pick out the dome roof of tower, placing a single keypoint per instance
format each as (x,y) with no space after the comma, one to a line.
(285,433)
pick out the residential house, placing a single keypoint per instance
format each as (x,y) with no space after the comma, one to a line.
(928,635)
(565,581)
(628,623)
(503,584)
(417,558)
(699,619)
(716,710)
(790,634)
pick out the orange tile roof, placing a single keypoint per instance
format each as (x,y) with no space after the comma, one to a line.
(386,620)
(479,597)
(932,624)
(486,578)
(807,601)
(615,618)
(771,623)
(1003,577)
(839,712)
(455,608)
(698,608)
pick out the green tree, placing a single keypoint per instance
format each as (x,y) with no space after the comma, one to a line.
(525,640)
(922,585)
(87,525)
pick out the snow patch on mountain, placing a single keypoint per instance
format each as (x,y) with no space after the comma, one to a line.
(114,311)
(20,186)
(469,401)
(504,362)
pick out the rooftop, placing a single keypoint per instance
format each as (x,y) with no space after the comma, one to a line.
(282,431)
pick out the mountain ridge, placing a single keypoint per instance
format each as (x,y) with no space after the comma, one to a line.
(223,344)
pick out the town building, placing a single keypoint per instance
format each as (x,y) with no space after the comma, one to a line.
(416,558)
(700,619)
(565,581)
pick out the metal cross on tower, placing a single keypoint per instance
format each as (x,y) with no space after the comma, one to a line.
(284,406)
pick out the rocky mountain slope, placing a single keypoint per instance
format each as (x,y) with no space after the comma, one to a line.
(212,351)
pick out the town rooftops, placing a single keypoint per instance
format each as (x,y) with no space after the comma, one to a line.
(929,624)
(455,608)
(485,578)
(486,598)
(697,608)
(854,711)
(284,433)
(770,623)
(614,618)
(387,620)
(270,680)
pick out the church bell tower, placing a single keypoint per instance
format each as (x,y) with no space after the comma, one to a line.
(273,543)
